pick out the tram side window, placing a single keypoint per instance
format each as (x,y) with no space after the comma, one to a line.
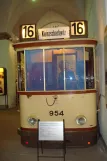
(34,70)
(89,63)
(20,71)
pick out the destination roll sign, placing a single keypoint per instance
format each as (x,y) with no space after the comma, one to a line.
(54,33)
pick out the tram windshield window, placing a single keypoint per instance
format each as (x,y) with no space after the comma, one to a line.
(89,63)
(20,80)
(64,69)
(34,70)
(58,69)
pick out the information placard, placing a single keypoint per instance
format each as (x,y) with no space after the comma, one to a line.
(51,131)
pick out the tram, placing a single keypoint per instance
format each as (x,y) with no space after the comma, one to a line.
(56,81)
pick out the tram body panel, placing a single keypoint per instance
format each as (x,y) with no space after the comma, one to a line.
(72,105)
(63,69)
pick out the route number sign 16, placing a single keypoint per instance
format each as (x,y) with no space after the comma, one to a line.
(79,29)
(28,32)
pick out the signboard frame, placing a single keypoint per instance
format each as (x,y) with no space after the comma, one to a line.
(3,86)
(54,130)
(4,82)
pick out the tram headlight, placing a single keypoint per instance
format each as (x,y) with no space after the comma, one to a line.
(81,120)
(32,121)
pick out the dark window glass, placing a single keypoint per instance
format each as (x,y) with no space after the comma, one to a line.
(34,70)
(74,68)
(80,68)
(20,71)
(89,63)
(64,69)
(53,57)
(60,72)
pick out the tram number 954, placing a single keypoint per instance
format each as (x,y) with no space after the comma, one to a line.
(56,113)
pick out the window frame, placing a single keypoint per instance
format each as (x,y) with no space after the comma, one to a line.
(62,47)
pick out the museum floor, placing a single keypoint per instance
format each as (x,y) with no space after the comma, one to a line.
(12,150)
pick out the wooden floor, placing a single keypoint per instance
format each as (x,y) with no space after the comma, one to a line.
(12,150)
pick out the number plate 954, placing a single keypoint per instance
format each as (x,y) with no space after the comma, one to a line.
(56,113)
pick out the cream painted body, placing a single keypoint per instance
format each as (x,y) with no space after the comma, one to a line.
(71,104)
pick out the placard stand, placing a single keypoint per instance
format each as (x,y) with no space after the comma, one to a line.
(50,131)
